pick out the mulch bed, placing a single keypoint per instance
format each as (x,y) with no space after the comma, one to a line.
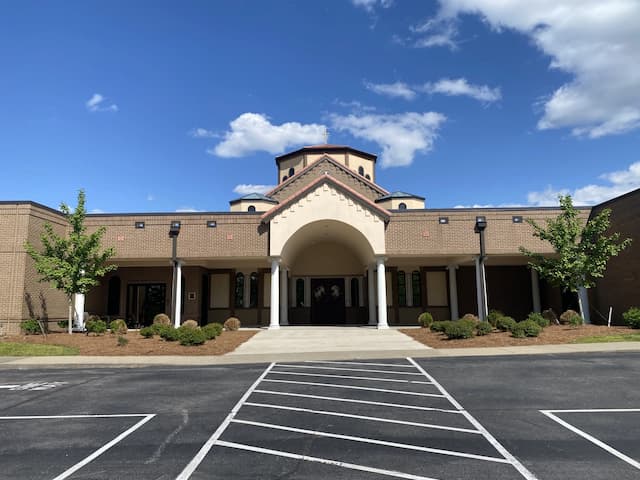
(552,335)
(107,344)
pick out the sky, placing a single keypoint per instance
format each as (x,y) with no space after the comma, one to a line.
(158,106)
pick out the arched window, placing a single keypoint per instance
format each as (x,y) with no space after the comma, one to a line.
(416,285)
(367,177)
(292,172)
(402,206)
(284,179)
(113,296)
(253,290)
(300,292)
(361,171)
(355,292)
(239,290)
(251,208)
(402,289)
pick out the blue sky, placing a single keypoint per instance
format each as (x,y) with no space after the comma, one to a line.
(165,106)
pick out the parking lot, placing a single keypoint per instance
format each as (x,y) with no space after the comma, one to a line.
(546,417)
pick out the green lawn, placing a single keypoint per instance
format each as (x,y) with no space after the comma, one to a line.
(626,337)
(10,349)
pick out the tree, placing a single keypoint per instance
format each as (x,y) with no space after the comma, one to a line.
(73,263)
(582,251)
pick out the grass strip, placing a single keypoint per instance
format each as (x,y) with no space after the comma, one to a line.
(627,337)
(11,349)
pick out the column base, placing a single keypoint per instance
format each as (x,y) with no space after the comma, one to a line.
(383,327)
(274,327)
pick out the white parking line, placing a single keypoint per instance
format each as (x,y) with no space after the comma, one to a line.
(350,369)
(366,402)
(592,439)
(350,377)
(373,441)
(70,471)
(362,417)
(352,466)
(193,464)
(490,438)
(353,387)
(361,363)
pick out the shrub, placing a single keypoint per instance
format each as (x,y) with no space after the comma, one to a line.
(118,326)
(147,332)
(93,318)
(550,315)
(565,318)
(64,324)
(158,328)
(632,317)
(470,317)
(576,321)
(459,329)
(493,316)
(161,319)
(539,319)
(96,326)
(30,327)
(190,336)
(169,334)
(526,328)
(232,324)
(483,328)
(505,324)
(190,324)
(439,326)
(122,341)
(212,330)
(425,319)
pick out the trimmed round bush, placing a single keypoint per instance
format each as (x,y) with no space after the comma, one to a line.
(161,319)
(505,324)
(212,330)
(439,326)
(425,319)
(539,319)
(232,324)
(147,332)
(97,327)
(483,328)
(459,329)
(190,336)
(190,324)
(169,334)
(576,321)
(565,317)
(470,317)
(118,326)
(632,317)
(493,316)
(526,328)
(30,327)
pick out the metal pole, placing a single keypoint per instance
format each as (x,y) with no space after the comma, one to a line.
(174,282)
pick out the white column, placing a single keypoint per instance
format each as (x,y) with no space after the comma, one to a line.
(78,316)
(372,296)
(382,294)
(274,307)
(583,300)
(284,303)
(453,292)
(178,284)
(535,291)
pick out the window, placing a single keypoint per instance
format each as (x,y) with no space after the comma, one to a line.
(239,290)
(300,292)
(355,292)
(402,289)
(253,290)
(367,177)
(416,285)
(361,171)
(284,179)
(292,172)
(139,224)
(402,206)
(113,296)
(251,208)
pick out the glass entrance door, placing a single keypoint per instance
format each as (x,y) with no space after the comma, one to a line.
(327,301)
(144,302)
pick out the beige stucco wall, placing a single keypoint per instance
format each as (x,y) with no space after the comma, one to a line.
(243,206)
(368,165)
(326,259)
(297,163)
(394,203)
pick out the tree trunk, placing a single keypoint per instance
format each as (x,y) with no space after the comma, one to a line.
(70,325)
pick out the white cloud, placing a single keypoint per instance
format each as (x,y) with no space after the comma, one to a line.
(396,90)
(354,105)
(97,104)
(617,183)
(434,32)
(598,42)
(188,209)
(253,132)
(96,210)
(460,86)
(371,5)
(150,197)
(401,136)
(246,188)
(202,133)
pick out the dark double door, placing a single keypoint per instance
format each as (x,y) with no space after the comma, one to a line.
(327,301)
(144,301)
